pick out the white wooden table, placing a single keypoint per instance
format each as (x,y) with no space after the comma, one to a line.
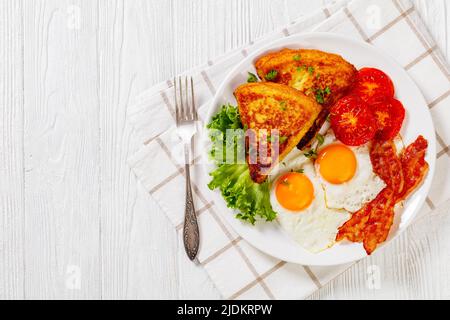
(73,221)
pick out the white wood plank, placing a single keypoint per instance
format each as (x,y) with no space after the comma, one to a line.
(61,150)
(138,244)
(116,202)
(11,151)
(152,271)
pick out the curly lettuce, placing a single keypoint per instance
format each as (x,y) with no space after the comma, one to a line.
(227,119)
(252,200)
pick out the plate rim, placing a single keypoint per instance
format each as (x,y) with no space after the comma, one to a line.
(274,45)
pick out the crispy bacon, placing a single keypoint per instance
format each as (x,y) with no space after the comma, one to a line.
(380,220)
(354,229)
(387,165)
(414,166)
(371,224)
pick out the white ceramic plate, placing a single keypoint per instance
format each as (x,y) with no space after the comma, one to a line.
(269,237)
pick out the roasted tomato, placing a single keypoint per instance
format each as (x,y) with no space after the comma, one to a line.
(353,121)
(372,84)
(390,115)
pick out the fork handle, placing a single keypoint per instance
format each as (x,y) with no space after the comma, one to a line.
(191,236)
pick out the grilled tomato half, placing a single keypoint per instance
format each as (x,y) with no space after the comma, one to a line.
(353,121)
(372,84)
(390,114)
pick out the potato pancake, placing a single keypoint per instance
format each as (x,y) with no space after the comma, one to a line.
(322,76)
(266,106)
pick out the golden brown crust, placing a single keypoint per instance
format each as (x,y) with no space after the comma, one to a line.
(312,72)
(271,106)
(308,71)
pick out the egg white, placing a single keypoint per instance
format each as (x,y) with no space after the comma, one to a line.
(315,227)
(293,161)
(361,189)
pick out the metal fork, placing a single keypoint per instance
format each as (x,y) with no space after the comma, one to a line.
(186,116)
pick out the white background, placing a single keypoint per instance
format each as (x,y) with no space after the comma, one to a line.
(73,221)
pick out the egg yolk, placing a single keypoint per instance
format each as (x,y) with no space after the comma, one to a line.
(337,163)
(294,191)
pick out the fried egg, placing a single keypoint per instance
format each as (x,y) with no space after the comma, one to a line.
(346,174)
(298,198)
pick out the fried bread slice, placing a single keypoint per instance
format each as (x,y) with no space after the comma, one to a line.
(322,76)
(266,106)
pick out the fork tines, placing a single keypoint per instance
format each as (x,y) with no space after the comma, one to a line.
(185,110)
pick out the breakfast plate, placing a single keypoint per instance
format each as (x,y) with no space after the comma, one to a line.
(270,237)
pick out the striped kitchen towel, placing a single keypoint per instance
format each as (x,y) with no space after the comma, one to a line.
(237,269)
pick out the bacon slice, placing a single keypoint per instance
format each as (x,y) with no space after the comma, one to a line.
(415,168)
(387,165)
(371,224)
(354,229)
(380,221)
(377,232)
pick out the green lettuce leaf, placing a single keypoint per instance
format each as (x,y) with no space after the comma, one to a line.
(241,193)
(227,118)
(252,200)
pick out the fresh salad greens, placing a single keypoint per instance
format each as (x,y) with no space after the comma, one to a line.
(312,154)
(227,119)
(252,200)
(252,78)
(321,94)
(271,75)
